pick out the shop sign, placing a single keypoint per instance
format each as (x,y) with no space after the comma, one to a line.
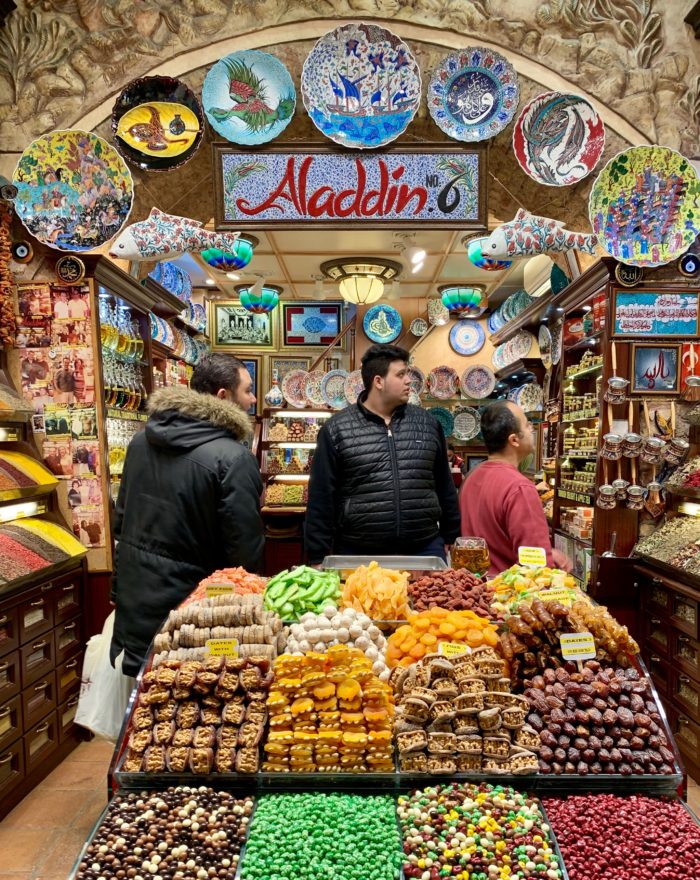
(439,187)
(662,313)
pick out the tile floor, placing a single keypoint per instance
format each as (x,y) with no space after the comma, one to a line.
(41,838)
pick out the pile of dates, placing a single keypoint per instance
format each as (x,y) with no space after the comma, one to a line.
(597,721)
(530,642)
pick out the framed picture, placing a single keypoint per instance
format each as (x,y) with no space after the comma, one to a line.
(253,363)
(311,324)
(655,369)
(234,327)
(285,365)
(473,461)
(669,313)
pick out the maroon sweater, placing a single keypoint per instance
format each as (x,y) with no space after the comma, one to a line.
(502,506)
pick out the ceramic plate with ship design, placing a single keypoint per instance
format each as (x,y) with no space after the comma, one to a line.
(361,85)
(382,323)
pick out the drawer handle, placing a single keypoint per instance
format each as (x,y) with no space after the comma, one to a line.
(4,619)
(37,603)
(37,645)
(683,640)
(68,588)
(69,626)
(72,664)
(46,587)
(6,758)
(683,679)
(73,702)
(4,666)
(42,728)
(655,659)
(5,712)
(656,621)
(657,582)
(683,720)
(41,686)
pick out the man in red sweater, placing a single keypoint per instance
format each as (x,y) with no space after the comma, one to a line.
(497,502)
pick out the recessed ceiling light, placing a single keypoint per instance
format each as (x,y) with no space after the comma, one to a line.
(233,276)
(209,281)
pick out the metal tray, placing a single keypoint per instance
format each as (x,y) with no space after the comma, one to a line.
(402,563)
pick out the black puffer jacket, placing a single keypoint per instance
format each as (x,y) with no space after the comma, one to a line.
(189,503)
(378,486)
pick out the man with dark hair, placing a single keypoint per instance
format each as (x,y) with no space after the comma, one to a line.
(380,480)
(497,502)
(189,501)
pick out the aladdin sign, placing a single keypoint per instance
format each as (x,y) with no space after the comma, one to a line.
(439,188)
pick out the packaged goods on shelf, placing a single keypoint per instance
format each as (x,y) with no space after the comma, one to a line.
(381,593)
(456,590)
(426,630)
(458,715)
(292,593)
(329,713)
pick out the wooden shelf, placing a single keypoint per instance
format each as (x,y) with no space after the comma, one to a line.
(579,419)
(597,369)
(585,342)
(580,541)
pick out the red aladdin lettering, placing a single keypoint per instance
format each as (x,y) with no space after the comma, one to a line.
(354,202)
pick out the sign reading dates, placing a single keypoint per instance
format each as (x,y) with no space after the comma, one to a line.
(441,188)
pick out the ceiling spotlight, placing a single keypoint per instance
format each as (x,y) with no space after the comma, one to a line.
(233,276)
(415,255)
(209,281)
(416,267)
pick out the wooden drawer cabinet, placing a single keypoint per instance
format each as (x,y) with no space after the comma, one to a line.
(658,635)
(68,677)
(10,721)
(686,653)
(37,659)
(11,767)
(39,699)
(659,671)
(67,639)
(684,614)
(9,676)
(687,736)
(40,741)
(685,693)
(9,631)
(658,597)
(35,615)
(66,716)
(66,598)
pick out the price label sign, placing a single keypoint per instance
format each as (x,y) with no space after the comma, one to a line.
(218,590)
(222,647)
(532,556)
(565,595)
(453,649)
(577,646)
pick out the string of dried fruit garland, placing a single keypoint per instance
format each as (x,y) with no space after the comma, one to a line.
(8,322)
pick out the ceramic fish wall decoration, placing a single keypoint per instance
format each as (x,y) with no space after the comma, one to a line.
(164,236)
(526,235)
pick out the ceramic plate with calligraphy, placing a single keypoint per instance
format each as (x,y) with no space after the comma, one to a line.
(557,332)
(313,391)
(558,139)
(477,258)
(444,418)
(333,389)
(467,423)
(361,85)
(74,190)
(417,380)
(418,327)
(249,97)
(443,383)
(530,397)
(157,123)
(473,94)
(544,340)
(467,337)
(478,382)
(645,206)
(382,323)
(294,388)
(354,386)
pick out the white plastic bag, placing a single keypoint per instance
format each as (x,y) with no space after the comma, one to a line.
(104,691)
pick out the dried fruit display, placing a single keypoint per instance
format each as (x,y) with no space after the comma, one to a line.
(613,641)
(454,589)
(238,579)
(427,629)
(381,593)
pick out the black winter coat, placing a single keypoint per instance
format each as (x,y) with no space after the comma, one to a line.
(378,486)
(189,503)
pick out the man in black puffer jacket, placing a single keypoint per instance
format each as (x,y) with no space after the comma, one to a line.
(189,501)
(380,480)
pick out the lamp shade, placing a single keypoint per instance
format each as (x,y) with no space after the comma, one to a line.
(361,289)
(465,302)
(227,261)
(260,303)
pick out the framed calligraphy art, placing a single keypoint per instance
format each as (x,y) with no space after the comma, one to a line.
(655,369)
(436,185)
(672,313)
(311,324)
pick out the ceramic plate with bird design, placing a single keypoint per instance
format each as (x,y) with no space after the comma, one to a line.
(249,97)
(157,123)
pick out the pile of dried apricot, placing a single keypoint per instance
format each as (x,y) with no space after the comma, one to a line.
(424,632)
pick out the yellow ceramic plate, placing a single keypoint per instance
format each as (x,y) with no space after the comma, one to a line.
(159,128)
(54,534)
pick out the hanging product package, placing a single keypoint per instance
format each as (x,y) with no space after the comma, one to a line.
(104,690)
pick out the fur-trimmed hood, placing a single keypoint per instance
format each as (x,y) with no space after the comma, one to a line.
(181,418)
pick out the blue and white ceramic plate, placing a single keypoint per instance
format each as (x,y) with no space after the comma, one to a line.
(333,389)
(473,94)
(361,85)
(467,337)
(382,323)
(444,417)
(249,97)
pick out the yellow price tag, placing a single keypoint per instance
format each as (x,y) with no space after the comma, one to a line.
(453,649)
(577,646)
(565,595)
(218,590)
(534,556)
(222,647)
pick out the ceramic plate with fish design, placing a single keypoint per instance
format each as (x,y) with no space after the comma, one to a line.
(382,323)
(361,85)
(467,423)
(354,386)
(249,97)
(558,139)
(314,394)
(444,418)
(473,94)
(333,389)
(443,383)
(157,123)
(294,388)
(467,337)
(74,190)
(478,382)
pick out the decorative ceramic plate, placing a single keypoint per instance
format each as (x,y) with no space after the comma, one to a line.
(544,340)
(74,191)
(557,336)
(558,139)
(249,97)
(443,383)
(417,380)
(467,337)
(294,388)
(438,314)
(645,206)
(478,382)
(382,323)
(313,392)
(361,85)
(414,398)
(477,258)
(467,423)
(473,94)
(444,418)
(170,276)
(514,349)
(354,386)
(333,389)
(530,397)
(418,327)
(157,123)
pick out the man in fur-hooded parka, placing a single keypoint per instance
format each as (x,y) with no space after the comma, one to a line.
(189,502)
